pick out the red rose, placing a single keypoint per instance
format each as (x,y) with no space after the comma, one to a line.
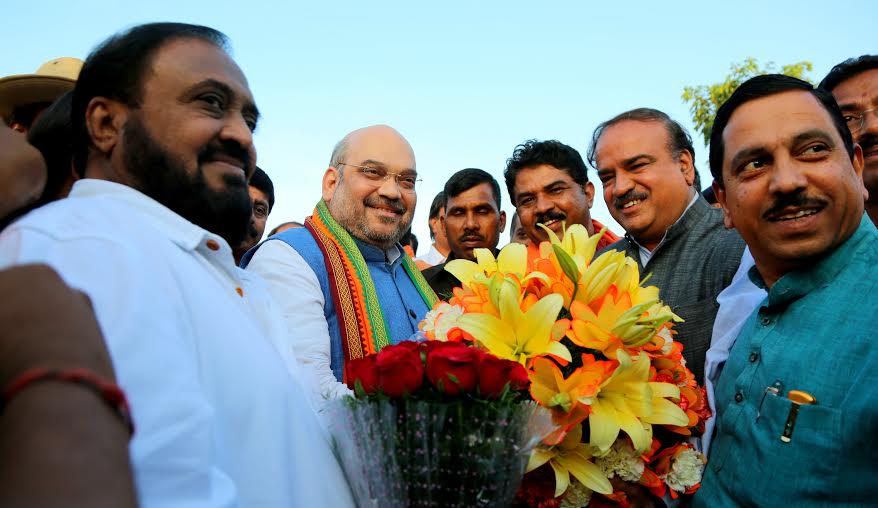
(495,373)
(453,369)
(400,370)
(362,369)
(432,345)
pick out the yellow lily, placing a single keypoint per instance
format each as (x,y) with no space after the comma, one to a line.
(608,321)
(517,335)
(511,260)
(571,456)
(628,401)
(576,242)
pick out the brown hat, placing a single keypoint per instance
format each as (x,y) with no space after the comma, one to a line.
(51,80)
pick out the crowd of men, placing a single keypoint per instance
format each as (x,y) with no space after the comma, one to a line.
(134,215)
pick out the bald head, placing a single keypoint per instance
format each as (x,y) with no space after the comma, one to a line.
(380,133)
(361,185)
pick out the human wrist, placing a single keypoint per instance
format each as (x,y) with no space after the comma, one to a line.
(105,390)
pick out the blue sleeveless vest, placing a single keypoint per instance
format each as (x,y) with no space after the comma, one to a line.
(401,303)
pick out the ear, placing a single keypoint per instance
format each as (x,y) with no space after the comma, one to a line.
(857,162)
(687,167)
(331,179)
(502,221)
(105,120)
(588,188)
(721,198)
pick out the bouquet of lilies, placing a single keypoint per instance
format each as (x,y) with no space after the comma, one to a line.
(597,344)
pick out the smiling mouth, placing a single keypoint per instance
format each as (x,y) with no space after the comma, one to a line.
(629,204)
(793,215)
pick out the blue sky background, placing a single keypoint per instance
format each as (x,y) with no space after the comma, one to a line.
(463,81)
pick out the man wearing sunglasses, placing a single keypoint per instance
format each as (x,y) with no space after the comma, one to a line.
(345,284)
(854,84)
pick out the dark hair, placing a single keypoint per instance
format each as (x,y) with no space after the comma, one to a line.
(52,135)
(116,70)
(437,205)
(553,153)
(848,69)
(466,179)
(678,138)
(765,86)
(261,181)
(290,223)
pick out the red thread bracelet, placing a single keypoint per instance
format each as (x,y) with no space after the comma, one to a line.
(108,392)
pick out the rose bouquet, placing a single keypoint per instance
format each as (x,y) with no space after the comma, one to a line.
(598,348)
(436,424)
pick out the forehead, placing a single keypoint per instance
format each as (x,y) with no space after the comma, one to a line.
(860,89)
(381,145)
(256,194)
(630,138)
(771,121)
(474,196)
(182,63)
(534,178)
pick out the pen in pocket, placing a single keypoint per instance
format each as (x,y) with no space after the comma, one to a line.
(798,398)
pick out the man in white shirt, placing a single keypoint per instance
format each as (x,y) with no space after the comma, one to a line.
(164,119)
(345,286)
(439,249)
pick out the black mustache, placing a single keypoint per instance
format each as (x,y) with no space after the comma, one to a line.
(868,141)
(628,196)
(798,199)
(543,218)
(394,204)
(227,148)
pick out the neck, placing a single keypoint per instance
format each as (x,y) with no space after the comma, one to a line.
(442,249)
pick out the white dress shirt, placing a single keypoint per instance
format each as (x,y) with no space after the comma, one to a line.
(220,421)
(736,303)
(294,286)
(433,257)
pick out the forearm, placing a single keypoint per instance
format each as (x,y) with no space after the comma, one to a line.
(62,445)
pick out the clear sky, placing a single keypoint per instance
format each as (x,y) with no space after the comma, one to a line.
(464,81)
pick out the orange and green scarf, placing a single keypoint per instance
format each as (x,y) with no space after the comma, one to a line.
(362,324)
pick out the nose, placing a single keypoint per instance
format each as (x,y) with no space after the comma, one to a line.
(470,223)
(622,184)
(543,203)
(870,124)
(389,188)
(787,177)
(236,129)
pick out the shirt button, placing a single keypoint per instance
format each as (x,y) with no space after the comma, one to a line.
(766,321)
(754,357)
(412,314)
(240,292)
(212,245)
(739,397)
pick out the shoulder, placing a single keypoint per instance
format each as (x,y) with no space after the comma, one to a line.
(433,271)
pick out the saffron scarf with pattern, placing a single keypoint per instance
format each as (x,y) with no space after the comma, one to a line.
(363,326)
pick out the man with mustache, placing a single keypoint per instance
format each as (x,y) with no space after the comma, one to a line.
(854,84)
(548,184)
(348,257)
(796,411)
(261,191)
(163,122)
(473,220)
(646,164)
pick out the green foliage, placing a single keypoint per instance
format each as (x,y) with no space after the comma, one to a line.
(706,99)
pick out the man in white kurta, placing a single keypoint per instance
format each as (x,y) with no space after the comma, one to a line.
(221,420)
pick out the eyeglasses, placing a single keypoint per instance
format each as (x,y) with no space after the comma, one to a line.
(407,182)
(857,122)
